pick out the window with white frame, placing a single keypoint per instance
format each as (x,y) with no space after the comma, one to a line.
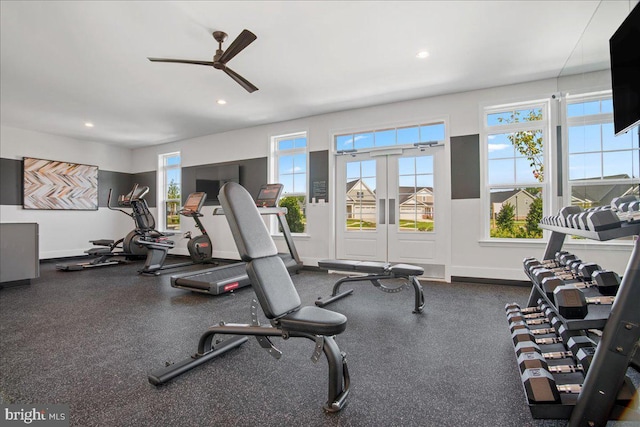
(169,191)
(401,136)
(601,166)
(290,169)
(516,183)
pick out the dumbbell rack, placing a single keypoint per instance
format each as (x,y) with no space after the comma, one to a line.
(620,339)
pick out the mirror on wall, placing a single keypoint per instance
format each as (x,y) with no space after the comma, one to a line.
(591,53)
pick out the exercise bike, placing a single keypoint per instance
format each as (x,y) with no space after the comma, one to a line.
(113,252)
(199,247)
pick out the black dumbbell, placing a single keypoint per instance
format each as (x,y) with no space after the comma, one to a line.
(525,325)
(540,386)
(523,335)
(514,306)
(602,220)
(534,359)
(572,303)
(607,282)
(562,334)
(574,345)
(530,262)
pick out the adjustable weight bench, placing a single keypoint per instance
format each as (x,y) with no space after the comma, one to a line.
(374,273)
(278,299)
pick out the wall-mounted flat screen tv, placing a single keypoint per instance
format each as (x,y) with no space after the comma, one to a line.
(211,178)
(624,50)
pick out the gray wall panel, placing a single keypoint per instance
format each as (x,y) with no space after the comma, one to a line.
(11,182)
(319,175)
(253,174)
(149,179)
(465,167)
(119,182)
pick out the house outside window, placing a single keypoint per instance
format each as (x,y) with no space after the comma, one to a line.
(289,167)
(169,194)
(516,183)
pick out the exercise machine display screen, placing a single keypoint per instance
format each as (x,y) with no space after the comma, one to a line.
(269,195)
(194,202)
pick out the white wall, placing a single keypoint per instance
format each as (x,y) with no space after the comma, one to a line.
(470,255)
(66,233)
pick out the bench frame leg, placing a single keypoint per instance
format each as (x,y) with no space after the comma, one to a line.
(374,279)
(207,350)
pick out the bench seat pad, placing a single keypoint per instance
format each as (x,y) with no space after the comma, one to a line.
(314,320)
(359,266)
(406,270)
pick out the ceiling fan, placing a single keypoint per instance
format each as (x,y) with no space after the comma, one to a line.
(221,57)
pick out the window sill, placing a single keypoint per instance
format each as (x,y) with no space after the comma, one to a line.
(622,245)
(294,235)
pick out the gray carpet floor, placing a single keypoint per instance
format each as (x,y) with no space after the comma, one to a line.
(88,339)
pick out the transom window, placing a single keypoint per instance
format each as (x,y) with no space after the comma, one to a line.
(408,135)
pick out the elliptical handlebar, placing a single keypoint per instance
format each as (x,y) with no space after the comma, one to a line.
(125,200)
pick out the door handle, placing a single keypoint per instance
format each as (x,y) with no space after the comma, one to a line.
(381,212)
(392,211)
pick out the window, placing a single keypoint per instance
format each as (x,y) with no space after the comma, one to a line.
(600,165)
(169,194)
(290,169)
(390,137)
(415,190)
(361,195)
(514,148)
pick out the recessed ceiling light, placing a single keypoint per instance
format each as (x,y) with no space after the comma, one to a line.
(422,54)
(221,101)
(88,124)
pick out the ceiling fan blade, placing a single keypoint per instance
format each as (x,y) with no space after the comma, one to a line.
(181,61)
(241,80)
(245,38)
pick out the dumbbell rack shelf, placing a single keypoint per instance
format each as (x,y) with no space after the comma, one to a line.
(620,325)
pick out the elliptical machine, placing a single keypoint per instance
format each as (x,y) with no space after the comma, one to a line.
(106,250)
(199,247)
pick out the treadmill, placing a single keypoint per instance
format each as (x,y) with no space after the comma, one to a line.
(226,278)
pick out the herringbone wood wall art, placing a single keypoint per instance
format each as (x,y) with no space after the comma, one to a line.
(50,184)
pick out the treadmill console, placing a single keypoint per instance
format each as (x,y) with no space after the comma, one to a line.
(269,195)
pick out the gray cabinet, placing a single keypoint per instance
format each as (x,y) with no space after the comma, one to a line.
(19,253)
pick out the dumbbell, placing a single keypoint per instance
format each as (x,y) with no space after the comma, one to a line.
(560,259)
(540,386)
(573,345)
(535,360)
(572,303)
(602,220)
(607,282)
(621,204)
(563,335)
(565,212)
(574,269)
(540,316)
(515,306)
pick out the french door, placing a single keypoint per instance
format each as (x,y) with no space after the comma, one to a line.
(389,208)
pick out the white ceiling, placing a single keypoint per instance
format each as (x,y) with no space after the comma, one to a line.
(64,63)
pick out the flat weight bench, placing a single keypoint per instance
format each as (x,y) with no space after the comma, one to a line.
(278,299)
(375,272)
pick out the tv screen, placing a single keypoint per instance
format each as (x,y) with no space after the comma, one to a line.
(209,179)
(624,50)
